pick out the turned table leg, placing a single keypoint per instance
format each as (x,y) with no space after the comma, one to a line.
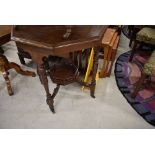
(56,89)
(94,72)
(44,81)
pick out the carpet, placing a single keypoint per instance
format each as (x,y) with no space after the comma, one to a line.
(127,74)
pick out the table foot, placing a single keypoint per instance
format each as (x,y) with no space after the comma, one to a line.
(50,103)
(93,96)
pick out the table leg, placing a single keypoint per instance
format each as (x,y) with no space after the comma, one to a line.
(44,81)
(1,50)
(94,72)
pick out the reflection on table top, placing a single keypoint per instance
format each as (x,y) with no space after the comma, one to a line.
(57,35)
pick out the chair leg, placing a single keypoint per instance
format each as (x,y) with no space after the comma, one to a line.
(138,85)
(133,51)
(112,61)
(105,62)
(130,43)
(20,71)
(131,39)
(132,35)
(8,83)
(5,65)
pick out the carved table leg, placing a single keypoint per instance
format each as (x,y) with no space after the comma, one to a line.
(8,83)
(94,71)
(139,85)
(55,91)
(44,81)
(39,74)
(1,50)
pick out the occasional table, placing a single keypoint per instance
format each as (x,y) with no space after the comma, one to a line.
(42,41)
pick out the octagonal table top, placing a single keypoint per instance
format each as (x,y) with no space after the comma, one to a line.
(5,30)
(57,36)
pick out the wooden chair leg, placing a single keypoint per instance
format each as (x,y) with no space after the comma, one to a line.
(112,61)
(8,83)
(104,69)
(138,85)
(133,51)
(21,71)
(130,43)
(5,65)
(132,35)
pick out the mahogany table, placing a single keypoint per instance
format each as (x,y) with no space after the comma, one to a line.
(43,41)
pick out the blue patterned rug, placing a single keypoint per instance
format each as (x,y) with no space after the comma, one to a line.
(127,74)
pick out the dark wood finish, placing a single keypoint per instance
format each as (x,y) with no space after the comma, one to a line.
(5,32)
(133,50)
(5,66)
(5,35)
(43,41)
(133,29)
(1,50)
(44,81)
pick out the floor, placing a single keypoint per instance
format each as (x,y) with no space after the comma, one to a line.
(74,108)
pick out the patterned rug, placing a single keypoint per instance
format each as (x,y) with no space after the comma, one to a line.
(127,74)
